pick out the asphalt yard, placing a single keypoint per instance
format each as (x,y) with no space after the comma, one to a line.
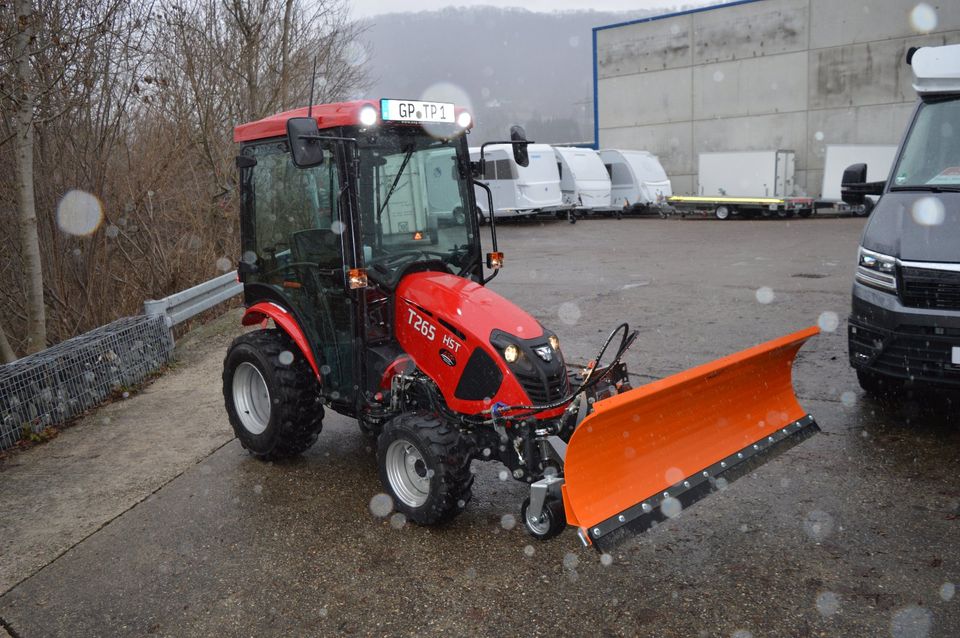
(152,520)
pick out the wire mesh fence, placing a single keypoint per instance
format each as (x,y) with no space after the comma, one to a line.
(59,383)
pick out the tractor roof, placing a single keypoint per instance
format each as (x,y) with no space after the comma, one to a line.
(327,116)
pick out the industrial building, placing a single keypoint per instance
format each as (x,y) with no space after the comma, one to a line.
(762,75)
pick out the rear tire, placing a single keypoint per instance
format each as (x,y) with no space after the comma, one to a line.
(271,395)
(424,465)
(551,522)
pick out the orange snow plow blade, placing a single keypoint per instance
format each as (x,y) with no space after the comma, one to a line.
(645,454)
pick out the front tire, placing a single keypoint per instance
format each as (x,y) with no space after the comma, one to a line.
(424,465)
(271,395)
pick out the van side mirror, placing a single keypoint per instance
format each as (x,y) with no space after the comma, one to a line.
(303,137)
(519,139)
(854,186)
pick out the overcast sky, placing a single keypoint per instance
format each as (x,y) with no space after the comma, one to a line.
(367,8)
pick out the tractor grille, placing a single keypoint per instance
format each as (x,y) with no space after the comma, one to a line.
(544,388)
(925,288)
(918,354)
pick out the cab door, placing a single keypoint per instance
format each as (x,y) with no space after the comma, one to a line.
(294,242)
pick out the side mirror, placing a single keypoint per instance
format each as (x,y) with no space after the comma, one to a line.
(854,175)
(303,137)
(519,138)
(854,186)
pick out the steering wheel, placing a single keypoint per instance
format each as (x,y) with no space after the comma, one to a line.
(402,257)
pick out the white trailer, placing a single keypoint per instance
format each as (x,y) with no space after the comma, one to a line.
(878,158)
(584,182)
(747,174)
(747,183)
(637,180)
(519,190)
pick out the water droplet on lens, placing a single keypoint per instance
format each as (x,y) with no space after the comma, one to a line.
(381,505)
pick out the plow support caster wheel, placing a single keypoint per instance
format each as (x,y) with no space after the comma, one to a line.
(551,522)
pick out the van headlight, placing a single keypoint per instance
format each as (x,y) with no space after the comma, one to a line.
(877,270)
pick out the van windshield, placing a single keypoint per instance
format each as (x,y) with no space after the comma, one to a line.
(931,154)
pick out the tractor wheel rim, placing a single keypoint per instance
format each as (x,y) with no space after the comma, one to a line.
(407,473)
(540,525)
(251,398)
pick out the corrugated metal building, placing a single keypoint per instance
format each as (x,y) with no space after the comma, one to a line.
(761,75)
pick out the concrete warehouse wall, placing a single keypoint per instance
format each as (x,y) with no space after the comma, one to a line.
(761,75)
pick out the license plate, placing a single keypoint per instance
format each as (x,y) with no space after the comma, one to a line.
(955,355)
(416,111)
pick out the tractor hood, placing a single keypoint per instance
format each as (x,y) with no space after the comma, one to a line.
(457,333)
(467,306)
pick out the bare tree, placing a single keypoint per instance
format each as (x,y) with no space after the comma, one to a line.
(135,104)
(24,94)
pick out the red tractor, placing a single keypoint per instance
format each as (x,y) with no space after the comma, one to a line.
(361,262)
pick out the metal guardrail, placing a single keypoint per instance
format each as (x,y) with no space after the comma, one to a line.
(63,381)
(188,303)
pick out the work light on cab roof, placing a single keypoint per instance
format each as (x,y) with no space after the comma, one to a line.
(362,234)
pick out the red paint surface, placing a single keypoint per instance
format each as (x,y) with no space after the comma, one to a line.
(260,312)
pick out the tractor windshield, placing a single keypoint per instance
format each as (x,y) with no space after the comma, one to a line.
(413,202)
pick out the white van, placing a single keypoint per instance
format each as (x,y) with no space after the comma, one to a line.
(638,181)
(519,190)
(584,181)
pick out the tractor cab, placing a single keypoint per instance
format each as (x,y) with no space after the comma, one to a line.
(338,203)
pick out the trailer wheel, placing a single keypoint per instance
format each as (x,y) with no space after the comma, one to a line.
(424,465)
(271,395)
(722,212)
(551,522)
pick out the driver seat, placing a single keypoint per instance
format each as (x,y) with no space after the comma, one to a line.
(320,246)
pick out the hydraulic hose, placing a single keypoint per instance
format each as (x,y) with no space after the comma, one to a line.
(588,382)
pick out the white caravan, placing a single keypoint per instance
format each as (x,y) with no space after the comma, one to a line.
(637,179)
(584,181)
(519,190)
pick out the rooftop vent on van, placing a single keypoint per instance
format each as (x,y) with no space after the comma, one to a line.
(936,69)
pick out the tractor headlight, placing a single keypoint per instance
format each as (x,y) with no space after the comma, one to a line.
(368,115)
(554,342)
(877,270)
(511,353)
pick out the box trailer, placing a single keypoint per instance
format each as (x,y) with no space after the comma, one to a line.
(519,190)
(584,182)
(746,183)
(878,158)
(638,182)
